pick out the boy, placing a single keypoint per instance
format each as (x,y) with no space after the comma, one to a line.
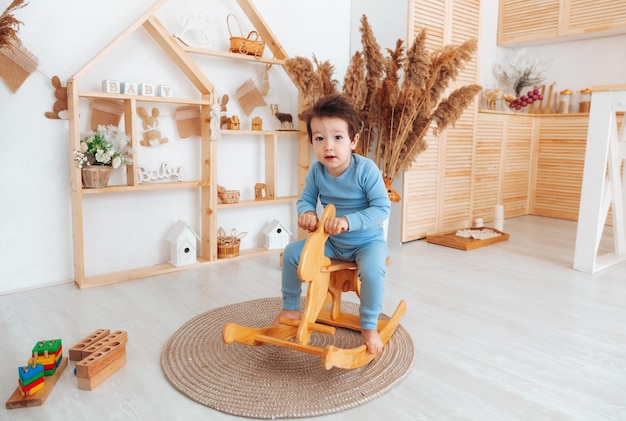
(355,186)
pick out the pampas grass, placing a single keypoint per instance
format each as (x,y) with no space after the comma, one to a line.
(9,26)
(398,96)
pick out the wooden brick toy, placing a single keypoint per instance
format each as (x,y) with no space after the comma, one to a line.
(100,358)
(97,361)
(75,353)
(92,382)
(117,336)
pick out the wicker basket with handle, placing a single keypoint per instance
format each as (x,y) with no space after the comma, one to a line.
(228,245)
(253,45)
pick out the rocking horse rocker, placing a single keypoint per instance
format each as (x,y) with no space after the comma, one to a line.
(327,279)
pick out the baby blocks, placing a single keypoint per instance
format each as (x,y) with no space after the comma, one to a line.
(49,354)
(31,379)
(37,379)
(101,354)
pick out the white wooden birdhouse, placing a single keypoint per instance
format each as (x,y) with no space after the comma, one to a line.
(183,240)
(276,235)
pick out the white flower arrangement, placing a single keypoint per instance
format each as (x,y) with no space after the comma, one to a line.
(520,72)
(106,146)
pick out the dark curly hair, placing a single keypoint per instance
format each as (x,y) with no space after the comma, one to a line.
(334,106)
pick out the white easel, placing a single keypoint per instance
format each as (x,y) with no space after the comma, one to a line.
(604,184)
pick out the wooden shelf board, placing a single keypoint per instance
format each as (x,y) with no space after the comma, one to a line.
(450,239)
(147,186)
(18,401)
(105,95)
(161,269)
(229,55)
(246,203)
(263,132)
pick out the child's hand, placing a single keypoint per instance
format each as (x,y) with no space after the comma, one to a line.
(336,225)
(308,221)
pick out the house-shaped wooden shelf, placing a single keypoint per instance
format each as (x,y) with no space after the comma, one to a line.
(181,56)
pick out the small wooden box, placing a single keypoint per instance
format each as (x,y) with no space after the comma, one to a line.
(450,239)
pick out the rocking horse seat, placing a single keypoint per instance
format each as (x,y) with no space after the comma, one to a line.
(327,280)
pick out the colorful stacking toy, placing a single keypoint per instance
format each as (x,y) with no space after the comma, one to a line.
(39,375)
(31,379)
(49,354)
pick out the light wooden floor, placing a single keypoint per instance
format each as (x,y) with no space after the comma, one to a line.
(506,332)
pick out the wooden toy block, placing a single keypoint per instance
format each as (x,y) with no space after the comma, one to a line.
(75,353)
(166,91)
(130,88)
(100,359)
(111,86)
(117,336)
(92,382)
(35,389)
(50,363)
(28,373)
(147,89)
(45,348)
(31,388)
(18,401)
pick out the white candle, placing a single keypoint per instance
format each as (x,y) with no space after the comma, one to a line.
(498,212)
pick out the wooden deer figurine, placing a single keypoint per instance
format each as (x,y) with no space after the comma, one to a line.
(286,121)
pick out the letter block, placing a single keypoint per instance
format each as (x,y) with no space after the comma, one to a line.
(147,89)
(110,86)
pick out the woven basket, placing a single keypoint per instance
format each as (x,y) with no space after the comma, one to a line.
(253,45)
(227,250)
(228,245)
(229,196)
(96,176)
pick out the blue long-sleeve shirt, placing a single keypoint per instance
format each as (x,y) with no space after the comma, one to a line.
(359,194)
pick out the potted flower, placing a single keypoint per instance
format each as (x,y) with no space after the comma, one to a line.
(101,151)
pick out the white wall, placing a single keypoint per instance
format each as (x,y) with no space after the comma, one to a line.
(572,65)
(35,211)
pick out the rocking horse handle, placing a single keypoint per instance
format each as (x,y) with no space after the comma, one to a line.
(312,255)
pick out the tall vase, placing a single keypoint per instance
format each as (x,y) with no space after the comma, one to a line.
(96,176)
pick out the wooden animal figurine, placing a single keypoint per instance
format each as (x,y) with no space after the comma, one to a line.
(326,278)
(286,121)
(59,108)
(150,124)
(223,110)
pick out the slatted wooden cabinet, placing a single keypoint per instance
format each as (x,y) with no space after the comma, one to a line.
(543,21)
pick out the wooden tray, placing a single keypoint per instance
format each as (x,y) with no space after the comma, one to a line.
(450,239)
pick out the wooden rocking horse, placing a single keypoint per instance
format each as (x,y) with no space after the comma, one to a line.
(327,279)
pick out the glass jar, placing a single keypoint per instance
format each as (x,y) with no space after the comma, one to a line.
(584,104)
(565,100)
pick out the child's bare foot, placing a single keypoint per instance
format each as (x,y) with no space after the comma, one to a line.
(373,341)
(289,314)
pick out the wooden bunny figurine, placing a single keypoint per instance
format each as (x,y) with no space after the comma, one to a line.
(150,123)
(59,108)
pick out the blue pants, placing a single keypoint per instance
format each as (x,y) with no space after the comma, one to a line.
(371,259)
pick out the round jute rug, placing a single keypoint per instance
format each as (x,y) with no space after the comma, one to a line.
(271,381)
